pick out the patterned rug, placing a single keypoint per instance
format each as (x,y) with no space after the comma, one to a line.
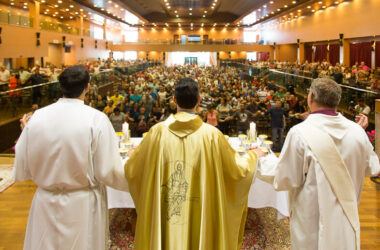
(6,176)
(262,229)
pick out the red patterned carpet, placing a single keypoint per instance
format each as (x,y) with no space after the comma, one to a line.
(262,229)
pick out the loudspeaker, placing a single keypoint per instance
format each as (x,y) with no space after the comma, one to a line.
(147,55)
(217,55)
(373,45)
(96,44)
(38,39)
(81,42)
(341,39)
(0,34)
(63,41)
(106,44)
(164,56)
(67,49)
(298,43)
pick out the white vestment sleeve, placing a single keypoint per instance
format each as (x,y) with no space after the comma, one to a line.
(266,168)
(292,166)
(373,166)
(108,167)
(21,169)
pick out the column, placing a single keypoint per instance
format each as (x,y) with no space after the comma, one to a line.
(301,53)
(34,12)
(81,25)
(104,31)
(346,52)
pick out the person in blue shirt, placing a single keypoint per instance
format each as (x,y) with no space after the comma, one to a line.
(153,94)
(277,123)
(135,97)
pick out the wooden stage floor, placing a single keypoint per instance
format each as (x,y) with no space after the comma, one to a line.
(15,203)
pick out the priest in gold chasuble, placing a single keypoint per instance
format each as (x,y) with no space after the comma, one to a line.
(189,186)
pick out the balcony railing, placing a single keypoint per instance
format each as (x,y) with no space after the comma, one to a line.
(18,20)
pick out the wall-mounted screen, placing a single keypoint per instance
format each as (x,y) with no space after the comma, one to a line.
(194,38)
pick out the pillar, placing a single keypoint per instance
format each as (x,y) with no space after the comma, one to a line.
(34,12)
(346,52)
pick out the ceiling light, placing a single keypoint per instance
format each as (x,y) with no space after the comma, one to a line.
(45,13)
(294,2)
(285,6)
(320,2)
(43,1)
(323,6)
(191,9)
(313,11)
(67,10)
(264,6)
(61,17)
(308,7)
(205,11)
(12,3)
(299,10)
(175,11)
(59,1)
(212,7)
(116,6)
(202,24)
(190,13)
(71,17)
(169,7)
(336,2)
(102,9)
(259,10)
(80,9)
(272,12)
(25,7)
(177,16)
(25,3)
(109,1)
(278,9)
(271,2)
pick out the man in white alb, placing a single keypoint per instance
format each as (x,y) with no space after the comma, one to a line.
(323,163)
(70,151)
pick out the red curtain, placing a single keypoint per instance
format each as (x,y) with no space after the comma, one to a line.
(377,60)
(334,54)
(308,53)
(320,53)
(264,56)
(360,52)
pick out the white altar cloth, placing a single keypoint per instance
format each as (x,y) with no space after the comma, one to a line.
(260,195)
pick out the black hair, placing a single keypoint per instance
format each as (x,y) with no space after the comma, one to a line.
(186,93)
(74,80)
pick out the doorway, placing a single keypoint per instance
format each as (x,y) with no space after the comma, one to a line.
(191,60)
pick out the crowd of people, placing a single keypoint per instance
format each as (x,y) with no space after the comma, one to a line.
(358,75)
(229,100)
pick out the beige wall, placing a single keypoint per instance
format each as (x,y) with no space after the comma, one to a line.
(55,52)
(20,42)
(358,18)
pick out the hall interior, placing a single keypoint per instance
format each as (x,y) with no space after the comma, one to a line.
(264,39)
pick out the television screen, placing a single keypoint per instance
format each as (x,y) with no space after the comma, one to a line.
(194,38)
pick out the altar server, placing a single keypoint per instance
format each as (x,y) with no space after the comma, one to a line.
(189,186)
(323,164)
(70,151)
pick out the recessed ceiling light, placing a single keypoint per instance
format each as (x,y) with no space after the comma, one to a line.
(212,7)
(294,2)
(272,12)
(190,13)
(264,6)
(59,1)
(271,2)
(204,16)
(313,11)
(175,11)
(299,10)
(308,7)
(320,2)
(169,7)
(285,6)
(12,3)
(80,9)
(336,2)
(61,17)
(278,9)
(205,11)
(177,16)
(323,6)
(191,9)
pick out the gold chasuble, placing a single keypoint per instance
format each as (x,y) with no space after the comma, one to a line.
(189,186)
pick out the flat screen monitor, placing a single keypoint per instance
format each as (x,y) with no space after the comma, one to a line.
(194,38)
